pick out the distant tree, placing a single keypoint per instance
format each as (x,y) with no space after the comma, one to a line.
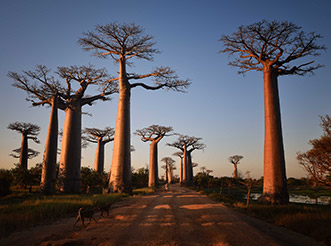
(101,137)
(123,42)
(235,160)
(271,47)
(187,145)
(168,164)
(26,177)
(140,177)
(28,131)
(181,156)
(45,90)
(154,134)
(31,153)
(90,179)
(317,160)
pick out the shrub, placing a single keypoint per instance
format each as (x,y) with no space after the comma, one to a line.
(5,181)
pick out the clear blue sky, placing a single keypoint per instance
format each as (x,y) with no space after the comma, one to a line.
(222,107)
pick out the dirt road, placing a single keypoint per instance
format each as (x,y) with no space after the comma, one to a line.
(177,217)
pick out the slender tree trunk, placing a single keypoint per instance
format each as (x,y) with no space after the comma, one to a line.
(169,175)
(70,161)
(184,165)
(166,173)
(181,170)
(235,171)
(153,167)
(120,179)
(48,176)
(24,151)
(99,156)
(189,169)
(274,185)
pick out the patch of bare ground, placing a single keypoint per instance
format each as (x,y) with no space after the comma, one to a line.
(176,217)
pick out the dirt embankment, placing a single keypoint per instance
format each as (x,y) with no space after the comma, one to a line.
(177,217)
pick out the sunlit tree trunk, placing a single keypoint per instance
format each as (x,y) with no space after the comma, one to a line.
(169,175)
(166,173)
(184,165)
(48,176)
(235,170)
(120,179)
(153,168)
(24,151)
(99,156)
(274,185)
(70,161)
(181,170)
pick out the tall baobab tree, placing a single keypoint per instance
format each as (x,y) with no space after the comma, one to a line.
(154,134)
(70,160)
(235,160)
(123,42)
(45,91)
(168,166)
(187,145)
(100,137)
(181,156)
(271,47)
(28,131)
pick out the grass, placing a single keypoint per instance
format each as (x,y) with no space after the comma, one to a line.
(311,220)
(21,210)
(144,191)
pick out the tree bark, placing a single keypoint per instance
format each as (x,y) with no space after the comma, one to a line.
(166,173)
(235,171)
(153,167)
(184,164)
(274,185)
(48,176)
(99,156)
(189,168)
(120,179)
(24,151)
(70,161)
(181,170)
(169,175)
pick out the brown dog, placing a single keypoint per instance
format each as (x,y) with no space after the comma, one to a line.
(85,213)
(104,209)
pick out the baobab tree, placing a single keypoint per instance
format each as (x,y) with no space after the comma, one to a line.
(101,138)
(271,47)
(124,42)
(168,166)
(28,131)
(187,145)
(154,134)
(235,160)
(70,160)
(45,90)
(30,154)
(181,156)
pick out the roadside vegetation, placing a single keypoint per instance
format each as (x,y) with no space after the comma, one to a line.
(312,220)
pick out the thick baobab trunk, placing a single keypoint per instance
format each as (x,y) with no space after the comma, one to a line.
(99,156)
(24,151)
(48,176)
(153,168)
(169,175)
(71,150)
(166,173)
(235,170)
(274,185)
(120,179)
(189,169)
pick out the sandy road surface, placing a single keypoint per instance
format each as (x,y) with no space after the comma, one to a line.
(177,217)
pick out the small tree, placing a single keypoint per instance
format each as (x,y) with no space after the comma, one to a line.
(122,43)
(272,47)
(140,177)
(168,164)
(317,160)
(235,160)
(187,145)
(101,137)
(154,134)
(28,131)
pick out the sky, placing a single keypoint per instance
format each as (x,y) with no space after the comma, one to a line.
(223,108)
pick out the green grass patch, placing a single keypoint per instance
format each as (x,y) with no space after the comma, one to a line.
(22,210)
(144,191)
